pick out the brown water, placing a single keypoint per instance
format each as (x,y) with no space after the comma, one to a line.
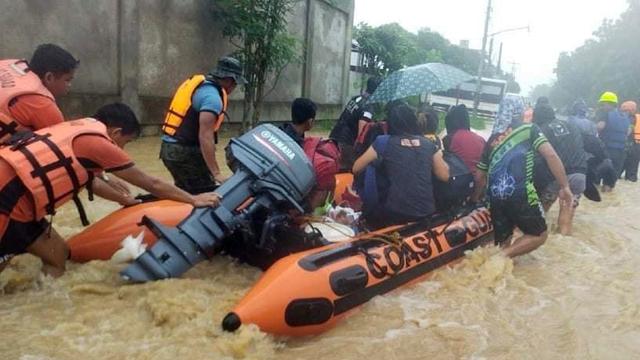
(576,297)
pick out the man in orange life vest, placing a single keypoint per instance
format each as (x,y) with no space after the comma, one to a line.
(28,91)
(191,125)
(42,170)
(633,148)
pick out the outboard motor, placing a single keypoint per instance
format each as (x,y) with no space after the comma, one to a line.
(271,170)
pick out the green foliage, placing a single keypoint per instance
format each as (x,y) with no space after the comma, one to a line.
(386,48)
(390,47)
(539,91)
(258,30)
(607,62)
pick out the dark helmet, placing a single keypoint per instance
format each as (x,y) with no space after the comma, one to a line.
(229,67)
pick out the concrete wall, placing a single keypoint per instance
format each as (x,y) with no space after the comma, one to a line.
(140,51)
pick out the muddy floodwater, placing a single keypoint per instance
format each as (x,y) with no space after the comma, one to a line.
(577,297)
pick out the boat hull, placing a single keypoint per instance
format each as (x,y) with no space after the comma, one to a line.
(310,292)
(103,238)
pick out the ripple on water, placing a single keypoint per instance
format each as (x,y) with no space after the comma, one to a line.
(575,297)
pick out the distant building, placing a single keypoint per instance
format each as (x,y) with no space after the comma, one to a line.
(357,58)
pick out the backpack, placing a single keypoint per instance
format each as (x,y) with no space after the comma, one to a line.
(325,159)
(454,193)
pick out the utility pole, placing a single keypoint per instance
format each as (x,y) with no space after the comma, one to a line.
(514,66)
(476,102)
(490,57)
(500,60)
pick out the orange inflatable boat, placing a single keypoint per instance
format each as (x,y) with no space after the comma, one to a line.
(309,292)
(103,238)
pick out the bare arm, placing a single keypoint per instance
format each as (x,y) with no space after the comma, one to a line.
(601,125)
(554,163)
(106,191)
(480,185)
(361,124)
(164,190)
(207,144)
(368,157)
(440,167)
(118,185)
(558,171)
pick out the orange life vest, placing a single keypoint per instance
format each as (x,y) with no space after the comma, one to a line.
(636,129)
(15,80)
(45,163)
(180,111)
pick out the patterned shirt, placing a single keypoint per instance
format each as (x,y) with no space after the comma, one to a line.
(508,158)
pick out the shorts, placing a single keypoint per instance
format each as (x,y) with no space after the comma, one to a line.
(187,167)
(17,236)
(511,213)
(577,184)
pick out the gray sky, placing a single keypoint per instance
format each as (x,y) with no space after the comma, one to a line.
(556,26)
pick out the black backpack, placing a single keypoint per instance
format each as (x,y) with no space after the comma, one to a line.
(457,191)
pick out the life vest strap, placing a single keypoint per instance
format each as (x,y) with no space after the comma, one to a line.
(170,126)
(41,172)
(83,214)
(176,114)
(8,129)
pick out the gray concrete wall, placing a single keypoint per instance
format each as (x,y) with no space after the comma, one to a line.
(89,32)
(327,52)
(140,51)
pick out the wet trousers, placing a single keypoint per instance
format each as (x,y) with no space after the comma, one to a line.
(631,162)
(187,167)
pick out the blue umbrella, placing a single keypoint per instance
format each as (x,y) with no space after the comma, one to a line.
(419,79)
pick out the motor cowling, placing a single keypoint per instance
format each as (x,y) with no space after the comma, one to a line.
(271,171)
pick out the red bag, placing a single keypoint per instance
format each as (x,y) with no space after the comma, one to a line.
(325,158)
(369,133)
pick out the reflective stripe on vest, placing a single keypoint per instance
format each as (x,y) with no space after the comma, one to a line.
(636,129)
(15,80)
(45,163)
(181,103)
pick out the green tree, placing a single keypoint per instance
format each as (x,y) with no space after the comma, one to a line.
(540,90)
(608,61)
(258,30)
(390,47)
(387,48)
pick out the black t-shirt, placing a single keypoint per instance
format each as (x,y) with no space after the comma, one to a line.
(346,129)
(288,129)
(407,162)
(567,141)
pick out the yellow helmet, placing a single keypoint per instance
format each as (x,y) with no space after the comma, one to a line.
(609,97)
